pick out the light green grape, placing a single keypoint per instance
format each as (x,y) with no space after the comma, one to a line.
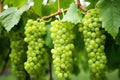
(18,54)
(35,32)
(94,39)
(62,35)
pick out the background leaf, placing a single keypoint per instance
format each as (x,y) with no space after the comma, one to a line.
(73,15)
(37,8)
(110,15)
(92,3)
(48,39)
(15,3)
(10,17)
(112,51)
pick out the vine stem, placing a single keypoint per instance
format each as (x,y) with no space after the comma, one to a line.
(50,68)
(54,14)
(59,6)
(80,6)
(1,5)
(65,10)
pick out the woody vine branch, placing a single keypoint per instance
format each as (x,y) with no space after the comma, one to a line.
(65,10)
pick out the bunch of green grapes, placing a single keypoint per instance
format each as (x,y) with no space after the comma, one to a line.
(35,32)
(94,38)
(18,54)
(62,35)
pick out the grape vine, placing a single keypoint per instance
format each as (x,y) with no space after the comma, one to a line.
(60,40)
(94,39)
(62,35)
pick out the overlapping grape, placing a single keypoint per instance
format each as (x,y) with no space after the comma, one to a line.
(18,54)
(62,35)
(35,32)
(94,39)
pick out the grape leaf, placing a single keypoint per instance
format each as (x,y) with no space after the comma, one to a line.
(10,17)
(110,15)
(73,15)
(112,51)
(64,3)
(37,7)
(49,8)
(15,3)
(48,40)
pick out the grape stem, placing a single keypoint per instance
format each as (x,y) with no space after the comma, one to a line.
(59,6)
(80,6)
(50,66)
(1,5)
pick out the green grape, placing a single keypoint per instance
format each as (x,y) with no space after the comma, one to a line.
(18,54)
(94,39)
(35,32)
(62,35)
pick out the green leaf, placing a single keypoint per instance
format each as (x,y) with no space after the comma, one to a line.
(110,15)
(78,41)
(15,3)
(64,3)
(37,8)
(10,17)
(73,15)
(92,3)
(112,51)
(48,40)
(49,8)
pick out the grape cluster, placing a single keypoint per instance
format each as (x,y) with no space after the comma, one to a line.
(94,39)
(62,35)
(18,54)
(35,31)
